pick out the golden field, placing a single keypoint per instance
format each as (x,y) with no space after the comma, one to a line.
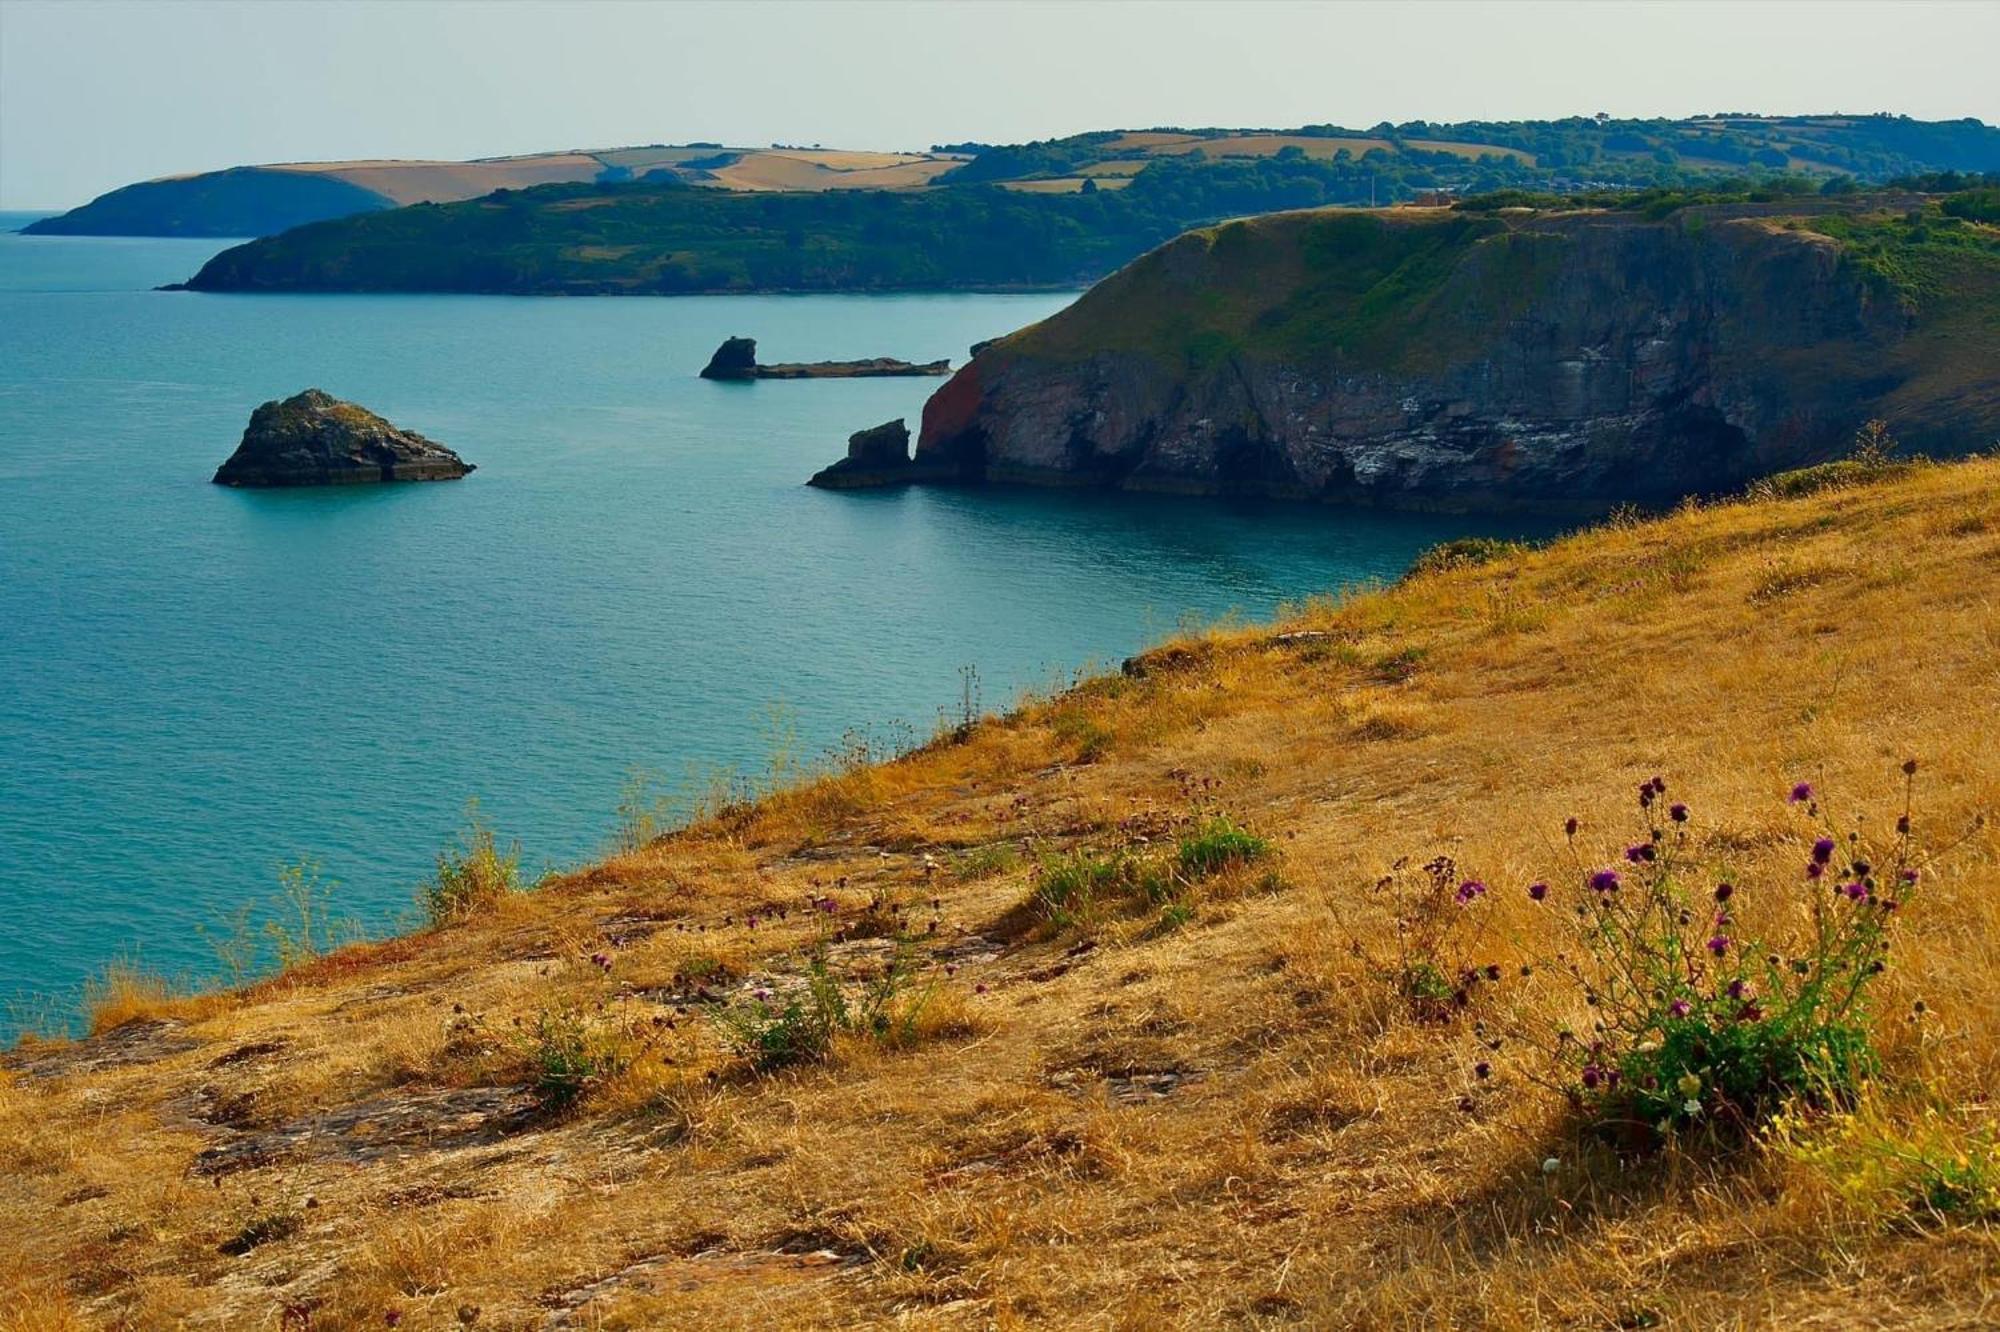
(1129,1118)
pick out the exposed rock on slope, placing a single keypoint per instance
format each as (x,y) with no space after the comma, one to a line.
(315,439)
(736,358)
(1556,360)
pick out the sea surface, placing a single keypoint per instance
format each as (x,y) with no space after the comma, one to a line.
(200,684)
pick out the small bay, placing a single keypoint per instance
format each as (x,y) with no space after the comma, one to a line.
(199,684)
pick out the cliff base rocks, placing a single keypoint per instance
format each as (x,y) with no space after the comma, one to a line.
(878,456)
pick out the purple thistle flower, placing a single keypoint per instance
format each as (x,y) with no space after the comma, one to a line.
(1724,891)
(1641,853)
(1591,1077)
(1482,1070)
(1679,813)
(1659,785)
(1822,850)
(1854,891)
(1814,869)
(1802,793)
(1468,890)
(1570,826)
(1537,891)
(1680,1008)
(1646,796)
(1605,881)
(1719,945)
(1909,875)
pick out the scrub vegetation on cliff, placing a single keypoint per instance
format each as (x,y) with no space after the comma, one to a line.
(1598,934)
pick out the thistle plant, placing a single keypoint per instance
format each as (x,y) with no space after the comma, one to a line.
(1437,928)
(1692,1020)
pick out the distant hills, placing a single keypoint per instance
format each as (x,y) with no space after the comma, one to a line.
(264,200)
(1384,164)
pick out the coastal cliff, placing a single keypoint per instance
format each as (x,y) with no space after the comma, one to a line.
(1514,359)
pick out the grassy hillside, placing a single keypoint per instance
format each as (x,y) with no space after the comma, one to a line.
(1216,992)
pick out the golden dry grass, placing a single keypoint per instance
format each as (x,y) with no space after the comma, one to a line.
(1120,1125)
(807,169)
(448,182)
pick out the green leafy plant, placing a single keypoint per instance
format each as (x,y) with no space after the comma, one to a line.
(887,1009)
(473,875)
(1216,843)
(567,1053)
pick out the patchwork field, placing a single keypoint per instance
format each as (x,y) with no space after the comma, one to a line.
(805,169)
(445,182)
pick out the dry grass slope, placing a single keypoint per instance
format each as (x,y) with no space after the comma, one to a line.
(1207,1113)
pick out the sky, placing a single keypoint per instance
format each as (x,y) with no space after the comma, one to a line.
(98,93)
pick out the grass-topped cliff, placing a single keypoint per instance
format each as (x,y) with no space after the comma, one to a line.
(1577,353)
(1276,980)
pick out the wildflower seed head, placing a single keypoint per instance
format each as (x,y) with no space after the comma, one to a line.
(1570,826)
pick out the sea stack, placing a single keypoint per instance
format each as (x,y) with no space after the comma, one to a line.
(877,456)
(736,358)
(315,439)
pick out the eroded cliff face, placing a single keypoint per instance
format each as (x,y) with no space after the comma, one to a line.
(1564,362)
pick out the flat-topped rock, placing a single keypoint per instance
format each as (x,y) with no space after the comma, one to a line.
(315,439)
(736,358)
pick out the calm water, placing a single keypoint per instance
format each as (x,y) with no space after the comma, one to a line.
(199,683)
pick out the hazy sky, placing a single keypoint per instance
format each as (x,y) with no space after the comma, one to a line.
(98,93)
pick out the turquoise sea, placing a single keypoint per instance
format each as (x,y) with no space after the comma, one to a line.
(198,684)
